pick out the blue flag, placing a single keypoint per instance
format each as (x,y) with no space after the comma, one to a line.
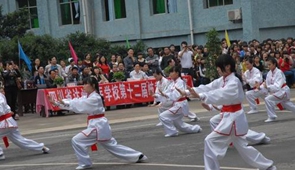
(24,57)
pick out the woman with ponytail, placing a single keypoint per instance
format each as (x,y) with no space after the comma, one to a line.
(98,129)
(227,91)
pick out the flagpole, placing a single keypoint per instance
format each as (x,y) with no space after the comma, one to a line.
(18,45)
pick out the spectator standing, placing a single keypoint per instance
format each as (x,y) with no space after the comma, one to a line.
(54,66)
(152,59)
(185,56)
(129,60)
(166,57)
(11,77)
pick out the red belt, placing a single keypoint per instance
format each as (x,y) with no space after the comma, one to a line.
(181,99)
(284,85)
(94,147)
(231,108)
(5,139)
(94,117)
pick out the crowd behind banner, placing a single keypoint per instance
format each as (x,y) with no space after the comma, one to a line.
(140,66)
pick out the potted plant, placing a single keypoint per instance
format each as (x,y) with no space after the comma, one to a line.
(59,81)
(118,76)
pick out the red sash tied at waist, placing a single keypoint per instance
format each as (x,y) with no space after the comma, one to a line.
(94,147)
(284,85)
(181,99)
(231,108)
(5,139)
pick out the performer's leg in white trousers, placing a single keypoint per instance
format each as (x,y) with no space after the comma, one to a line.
(81,143)
(252,137)
(216,146)
(251,95)
(15,137)
(172,122)
(270,103)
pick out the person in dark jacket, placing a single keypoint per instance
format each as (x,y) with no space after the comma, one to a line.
(11,82)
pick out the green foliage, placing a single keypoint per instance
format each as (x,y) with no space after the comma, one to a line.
(58,81)
(14,24)
(214,49)
(119,76)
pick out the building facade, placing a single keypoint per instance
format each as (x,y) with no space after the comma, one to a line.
(160,23)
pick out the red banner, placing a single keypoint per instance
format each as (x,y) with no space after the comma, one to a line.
(118,93)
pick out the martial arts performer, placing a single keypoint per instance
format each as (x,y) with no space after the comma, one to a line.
(279,92)
(9,130)
(98,129)
(228,91)
(251,78)
(172,118)
(253,138)
(163,84)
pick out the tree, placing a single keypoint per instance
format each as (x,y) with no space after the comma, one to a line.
(214,49)
(14,24)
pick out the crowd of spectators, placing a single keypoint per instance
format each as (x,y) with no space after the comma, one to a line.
(140,66)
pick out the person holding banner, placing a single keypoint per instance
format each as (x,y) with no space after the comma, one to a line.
(171,118)
(227,91)
(98,129)
(9,130)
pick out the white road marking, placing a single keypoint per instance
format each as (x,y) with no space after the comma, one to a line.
(117,163)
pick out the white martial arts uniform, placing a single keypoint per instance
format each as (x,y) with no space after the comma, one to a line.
(278,92)
(9,129)
(98,130)
(172,118)
(228,91)
(252,137)
(252,77)
(163,85)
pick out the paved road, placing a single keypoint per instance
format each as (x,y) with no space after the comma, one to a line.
(139,132)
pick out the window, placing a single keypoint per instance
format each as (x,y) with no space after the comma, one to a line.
(31,6)
(69,11)
(164,6)
(114,9)
(213,3)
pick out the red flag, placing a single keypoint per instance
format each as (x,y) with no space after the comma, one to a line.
(73,53)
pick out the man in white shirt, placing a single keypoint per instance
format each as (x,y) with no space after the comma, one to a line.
(137,74)
(186,58)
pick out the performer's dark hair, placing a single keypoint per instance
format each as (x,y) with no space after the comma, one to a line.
(93,81)
(176,69)
(158,71)
(223,60)
(273,61)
